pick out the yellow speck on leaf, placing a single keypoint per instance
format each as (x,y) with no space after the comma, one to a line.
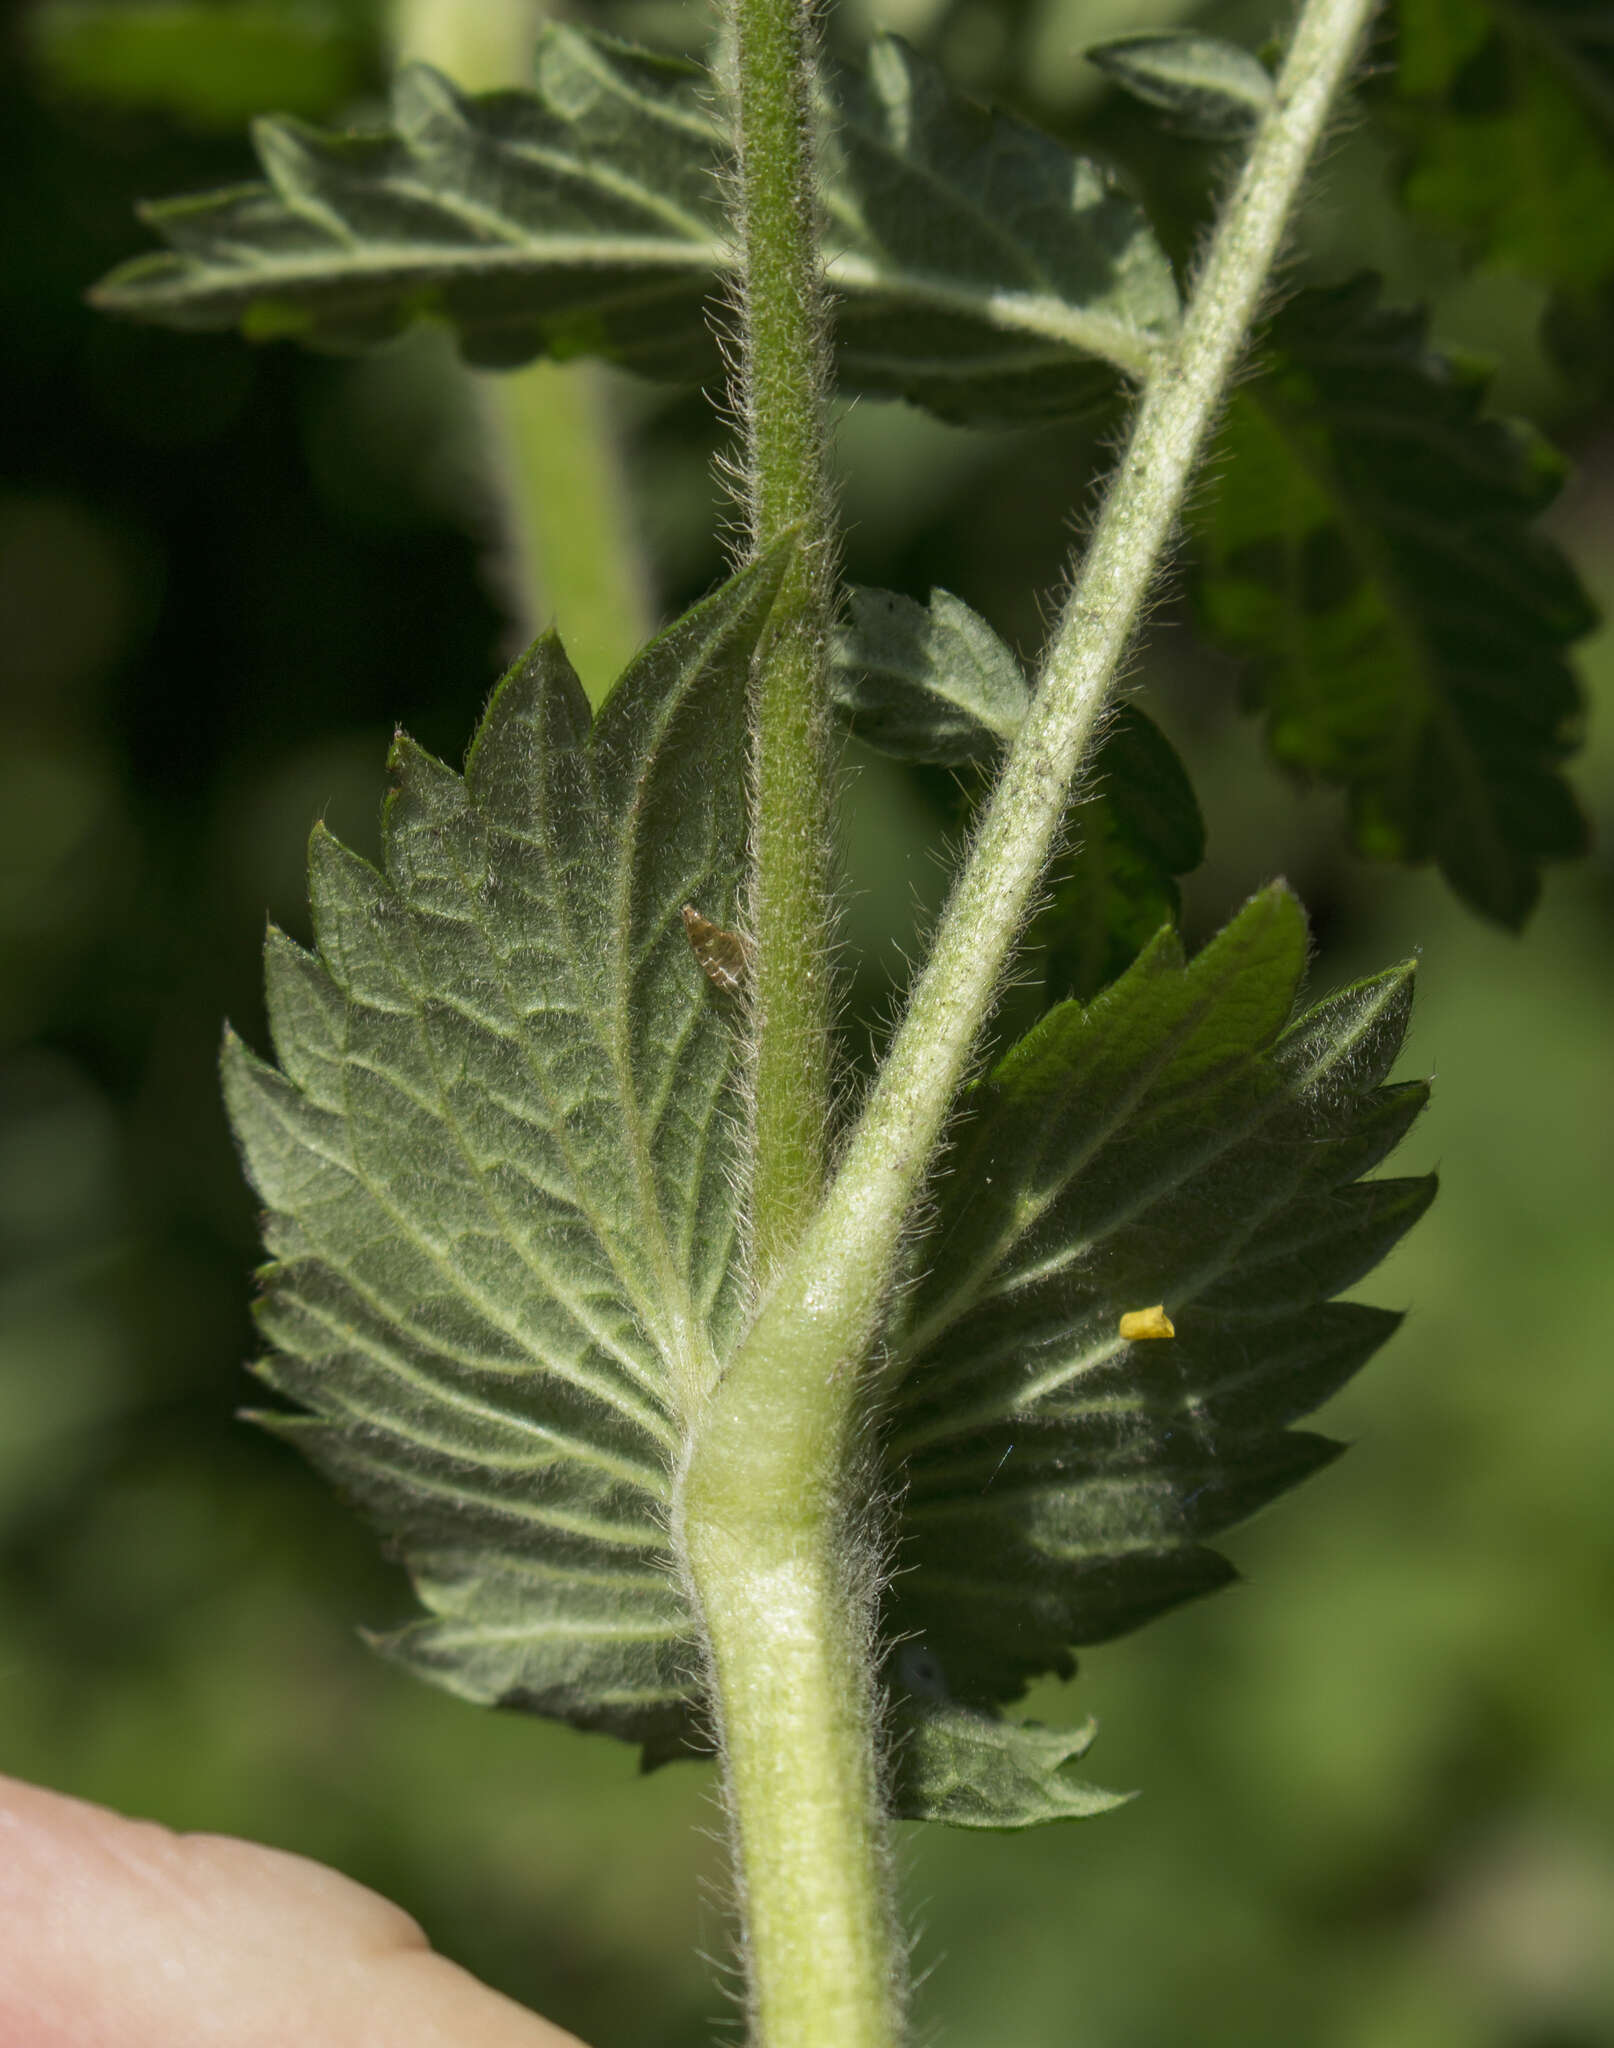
(1138,1323)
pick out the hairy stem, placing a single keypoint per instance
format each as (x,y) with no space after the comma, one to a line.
(787,1609)
(784,380)
(786,1604)
(803,1356)
(570,553)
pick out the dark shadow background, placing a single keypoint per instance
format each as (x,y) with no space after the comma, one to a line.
(1378,1778)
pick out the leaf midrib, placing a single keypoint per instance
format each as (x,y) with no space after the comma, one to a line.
(1012,314)
(692,1363)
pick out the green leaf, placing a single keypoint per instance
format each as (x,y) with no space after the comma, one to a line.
(1505,110)
(978,267)
(926,682)
(1180,1141)
(580,218)
(1205,87)
(975,1770)
(1116,885)
(935,683)
(1371,544)
(497,1160)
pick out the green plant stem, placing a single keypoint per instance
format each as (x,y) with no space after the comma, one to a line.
(796,1395)
(845,1265)
(787,1612)
(784,380)
(571,554)
(786,1603)
(836,1284)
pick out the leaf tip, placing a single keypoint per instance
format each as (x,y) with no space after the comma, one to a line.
(420,90)
(233,1050)
(415,770)
(537,705)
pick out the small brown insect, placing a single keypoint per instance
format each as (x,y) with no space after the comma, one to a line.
(723,956)
(1139,1323)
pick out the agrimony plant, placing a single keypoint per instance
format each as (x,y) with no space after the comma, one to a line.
(697,1416)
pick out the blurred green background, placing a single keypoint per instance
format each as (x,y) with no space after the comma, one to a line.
(1378,1778)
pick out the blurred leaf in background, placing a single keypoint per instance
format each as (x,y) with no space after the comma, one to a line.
(212,65)
(1378,1783)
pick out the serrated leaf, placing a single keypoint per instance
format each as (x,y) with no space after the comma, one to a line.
(497,1162)
(1506,114)
(975,1770)
(1179,1140)
(1205,87)
(934,683)
(1372,545)
(978,268)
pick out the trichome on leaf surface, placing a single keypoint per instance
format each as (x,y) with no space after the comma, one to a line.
(819,1466)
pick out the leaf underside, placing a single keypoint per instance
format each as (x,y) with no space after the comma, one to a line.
(497,1159)
(978,267)
(498,1152)
(1201,86)
(1371,544)
(975,1770)
(1179,1140)
(935,683)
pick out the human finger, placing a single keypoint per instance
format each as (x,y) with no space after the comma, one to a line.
(119,1933)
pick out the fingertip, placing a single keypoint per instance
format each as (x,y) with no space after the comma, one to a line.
(121,1930)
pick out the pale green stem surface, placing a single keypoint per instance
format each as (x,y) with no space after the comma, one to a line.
(784,382)
(573,558)
(770,1492)
(787,1611)
(570,551)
